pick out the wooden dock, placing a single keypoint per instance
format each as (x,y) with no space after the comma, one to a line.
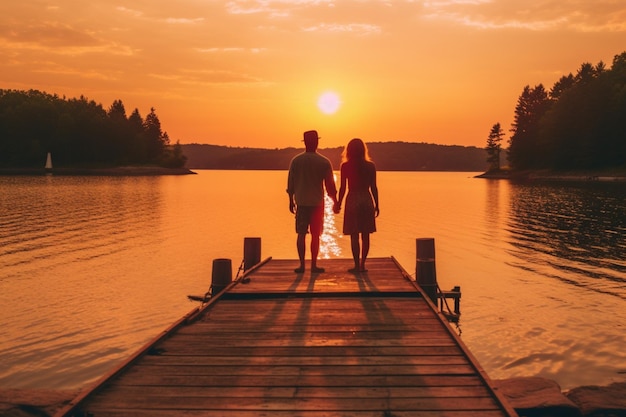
(277,343)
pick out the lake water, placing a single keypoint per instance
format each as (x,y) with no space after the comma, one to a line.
(91,268)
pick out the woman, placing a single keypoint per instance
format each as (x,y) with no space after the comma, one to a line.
(358,175)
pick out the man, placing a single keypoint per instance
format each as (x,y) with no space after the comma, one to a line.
(309,173)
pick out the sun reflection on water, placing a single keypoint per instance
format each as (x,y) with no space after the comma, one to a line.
(329,247)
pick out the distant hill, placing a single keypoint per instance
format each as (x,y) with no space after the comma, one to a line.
(388,156)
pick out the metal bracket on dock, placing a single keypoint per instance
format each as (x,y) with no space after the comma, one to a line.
(455,294)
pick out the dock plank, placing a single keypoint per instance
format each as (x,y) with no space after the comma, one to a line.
(287,344)
(133,378)
(291,413)
(130,393)
(359,402)
(293,360)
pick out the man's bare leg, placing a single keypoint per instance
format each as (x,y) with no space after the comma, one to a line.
(301,245)
(315,249)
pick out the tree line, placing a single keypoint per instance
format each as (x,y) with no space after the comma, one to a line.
(579,124)
(388,156)
(79,133)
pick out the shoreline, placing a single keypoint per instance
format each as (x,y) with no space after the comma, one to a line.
(113,171)
(534,396)
(615,175)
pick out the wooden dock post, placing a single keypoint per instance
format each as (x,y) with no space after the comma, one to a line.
(425,272)
(251,252)
(222,274)
(457,300)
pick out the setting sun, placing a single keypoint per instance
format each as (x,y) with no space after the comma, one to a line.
(329,102)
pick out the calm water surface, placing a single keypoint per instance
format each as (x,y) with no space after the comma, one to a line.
(91,268)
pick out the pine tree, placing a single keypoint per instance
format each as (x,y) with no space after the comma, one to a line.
(153,136)
(494,147)
(524,146)
(117,111)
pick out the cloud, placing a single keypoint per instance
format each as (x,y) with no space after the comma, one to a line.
(49,34)
(578,15)
(130,12)
(209,77)
(53,68)
(58,38)
(358,28)
(216,50)
(274,8)
(138,14)
(184,21)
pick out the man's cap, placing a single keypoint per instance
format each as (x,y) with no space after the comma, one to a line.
(310,135)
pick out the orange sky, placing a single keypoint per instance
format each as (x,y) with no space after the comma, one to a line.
(249,73)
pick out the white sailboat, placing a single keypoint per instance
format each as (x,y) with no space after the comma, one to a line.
(48,166)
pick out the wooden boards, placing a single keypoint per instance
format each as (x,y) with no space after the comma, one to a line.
(331,344)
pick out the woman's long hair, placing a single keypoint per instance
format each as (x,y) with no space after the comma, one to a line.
(355,150)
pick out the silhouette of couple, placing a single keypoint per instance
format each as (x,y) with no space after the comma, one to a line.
(309,174)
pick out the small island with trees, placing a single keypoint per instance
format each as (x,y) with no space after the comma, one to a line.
(82,137)
(575,130)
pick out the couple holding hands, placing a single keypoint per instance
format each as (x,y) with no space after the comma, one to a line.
(309,174)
